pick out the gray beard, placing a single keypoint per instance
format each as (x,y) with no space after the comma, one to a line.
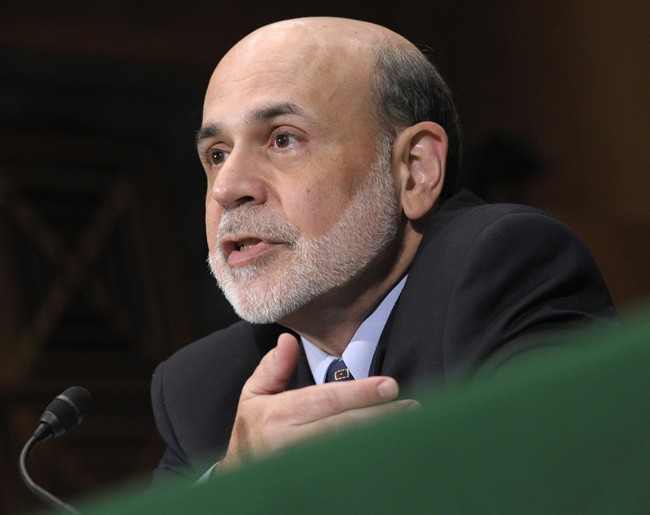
(270,289)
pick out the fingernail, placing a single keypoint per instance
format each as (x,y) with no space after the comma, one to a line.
(387,389)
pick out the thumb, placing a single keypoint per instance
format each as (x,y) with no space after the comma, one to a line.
(273,373)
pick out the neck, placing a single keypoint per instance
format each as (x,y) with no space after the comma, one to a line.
(330,321)
(337,321)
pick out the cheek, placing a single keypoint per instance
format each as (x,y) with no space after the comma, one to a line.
(316,210)
(316,201)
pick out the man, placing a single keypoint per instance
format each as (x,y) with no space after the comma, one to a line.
(330,147)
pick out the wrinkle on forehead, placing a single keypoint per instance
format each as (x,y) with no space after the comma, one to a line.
(322,62)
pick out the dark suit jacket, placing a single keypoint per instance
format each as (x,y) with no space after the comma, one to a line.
(486,283)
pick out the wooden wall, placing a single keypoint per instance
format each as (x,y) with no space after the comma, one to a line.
(102,269)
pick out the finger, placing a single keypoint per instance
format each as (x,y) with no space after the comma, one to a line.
(340,421)
(349,418)
(368,413)
(317,402)
(275,368)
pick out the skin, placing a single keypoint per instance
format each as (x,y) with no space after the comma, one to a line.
(304,164)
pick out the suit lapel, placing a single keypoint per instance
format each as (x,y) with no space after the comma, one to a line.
(302,376)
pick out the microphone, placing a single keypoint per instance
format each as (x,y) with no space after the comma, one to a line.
(62,414)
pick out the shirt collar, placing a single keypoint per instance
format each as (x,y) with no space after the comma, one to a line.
(359,352)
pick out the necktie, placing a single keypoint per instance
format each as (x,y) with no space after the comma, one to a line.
(338,371)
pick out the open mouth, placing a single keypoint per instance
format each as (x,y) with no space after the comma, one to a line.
(246,244)
(239,244)
(241,251)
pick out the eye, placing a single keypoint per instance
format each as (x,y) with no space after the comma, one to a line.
(283,139)
(216,156)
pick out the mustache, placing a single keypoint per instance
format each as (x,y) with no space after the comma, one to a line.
(257,221)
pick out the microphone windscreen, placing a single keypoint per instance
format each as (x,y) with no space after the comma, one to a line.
(67,410)
(80,397)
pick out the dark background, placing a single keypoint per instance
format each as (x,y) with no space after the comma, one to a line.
(102,252)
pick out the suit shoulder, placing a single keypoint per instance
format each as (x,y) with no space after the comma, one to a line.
(464,219)
(469,210)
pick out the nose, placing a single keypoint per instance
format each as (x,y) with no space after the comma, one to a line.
(239,181)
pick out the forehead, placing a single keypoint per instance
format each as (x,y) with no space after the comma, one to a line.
(318,75)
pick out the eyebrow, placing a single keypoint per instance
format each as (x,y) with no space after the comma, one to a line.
(209,130)
(257,115)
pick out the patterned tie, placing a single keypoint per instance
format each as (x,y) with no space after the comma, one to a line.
(338,371)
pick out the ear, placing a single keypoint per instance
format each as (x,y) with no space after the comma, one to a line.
(421,150)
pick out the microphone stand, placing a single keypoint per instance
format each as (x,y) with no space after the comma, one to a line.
(46,496)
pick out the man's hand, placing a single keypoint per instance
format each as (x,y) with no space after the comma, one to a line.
(270,418)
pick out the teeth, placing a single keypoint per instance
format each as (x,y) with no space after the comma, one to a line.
(246,244)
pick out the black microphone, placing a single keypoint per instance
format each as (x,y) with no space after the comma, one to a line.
(62,414)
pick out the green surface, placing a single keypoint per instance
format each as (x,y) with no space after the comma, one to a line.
(565,432)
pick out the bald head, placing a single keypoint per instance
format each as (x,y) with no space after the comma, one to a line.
(331,57)
(353,66)
(329,32)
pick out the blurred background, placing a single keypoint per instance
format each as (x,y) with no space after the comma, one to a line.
(102,251)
